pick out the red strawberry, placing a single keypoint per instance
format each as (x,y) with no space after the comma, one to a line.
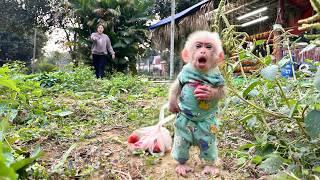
(133,138)
(156,148)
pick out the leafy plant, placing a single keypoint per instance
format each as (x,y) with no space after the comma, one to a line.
(281,115)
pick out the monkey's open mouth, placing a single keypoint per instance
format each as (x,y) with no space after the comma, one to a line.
(202,60)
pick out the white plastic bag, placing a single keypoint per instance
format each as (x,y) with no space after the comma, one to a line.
(155,139)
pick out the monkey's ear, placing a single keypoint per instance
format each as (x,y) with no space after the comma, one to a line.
(221,58)
(185,55)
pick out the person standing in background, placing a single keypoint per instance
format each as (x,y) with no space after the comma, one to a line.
(100,48)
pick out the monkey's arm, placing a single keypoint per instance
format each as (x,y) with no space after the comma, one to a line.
(174,93)
(218,92)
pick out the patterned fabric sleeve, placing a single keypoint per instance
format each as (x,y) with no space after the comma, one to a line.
(219,81)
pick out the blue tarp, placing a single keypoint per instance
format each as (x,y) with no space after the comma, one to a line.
(179,16)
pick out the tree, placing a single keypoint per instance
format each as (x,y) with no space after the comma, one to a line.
(125,24)
(18,20)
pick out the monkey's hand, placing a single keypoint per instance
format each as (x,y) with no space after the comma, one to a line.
(208,93)
(173,106)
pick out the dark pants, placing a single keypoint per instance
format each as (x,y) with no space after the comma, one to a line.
(99,63)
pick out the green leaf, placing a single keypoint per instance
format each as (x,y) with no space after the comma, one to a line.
(312,124)
(267,60)
(241,161)
(7,172)
(270,72)
(244,55)
(10,84)
(4,70)
(13,114)
(246,146)
(24,162)
(316,169)
(293,104)
(3,127)
(256,159)
(250,87)
(284,176)
(272,164)
(252,122)
(307,60)
(246,118)
(260,42)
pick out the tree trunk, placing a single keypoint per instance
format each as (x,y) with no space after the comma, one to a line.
(132,67)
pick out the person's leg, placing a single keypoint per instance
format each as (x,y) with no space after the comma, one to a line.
(101,66)
(108,65)
(95,59)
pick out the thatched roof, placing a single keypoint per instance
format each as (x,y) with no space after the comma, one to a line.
(194,21)
(202,20)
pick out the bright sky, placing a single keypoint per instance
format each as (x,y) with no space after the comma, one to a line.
(54,41)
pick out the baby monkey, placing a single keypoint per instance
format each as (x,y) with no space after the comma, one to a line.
(199,87)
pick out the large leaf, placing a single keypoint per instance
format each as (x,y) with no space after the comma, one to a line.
(272,164)
(9,83)
(24,162)
(250,87)
(316,169)
(244,55)
(270,72)
(312,124)
(246,146)
(7,172)
(256,159)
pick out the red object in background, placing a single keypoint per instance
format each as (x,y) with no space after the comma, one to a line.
(133,138)
(300,3)
(306,11)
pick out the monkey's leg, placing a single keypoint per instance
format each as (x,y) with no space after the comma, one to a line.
(181,145)
(205,135)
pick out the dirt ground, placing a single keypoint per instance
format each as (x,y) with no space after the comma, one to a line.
(108,157)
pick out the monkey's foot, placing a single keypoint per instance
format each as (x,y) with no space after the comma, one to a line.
(211,170)
(182,169)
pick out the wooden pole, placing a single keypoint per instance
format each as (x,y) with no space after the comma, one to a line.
(173,7)
(34,49)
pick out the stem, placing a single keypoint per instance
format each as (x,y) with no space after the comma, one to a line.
(257,107)
(304,111)
(242,72)
(8,143)
(282,93)
(302,129)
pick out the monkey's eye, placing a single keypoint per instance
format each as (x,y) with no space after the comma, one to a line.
(209,46)
(198,45)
